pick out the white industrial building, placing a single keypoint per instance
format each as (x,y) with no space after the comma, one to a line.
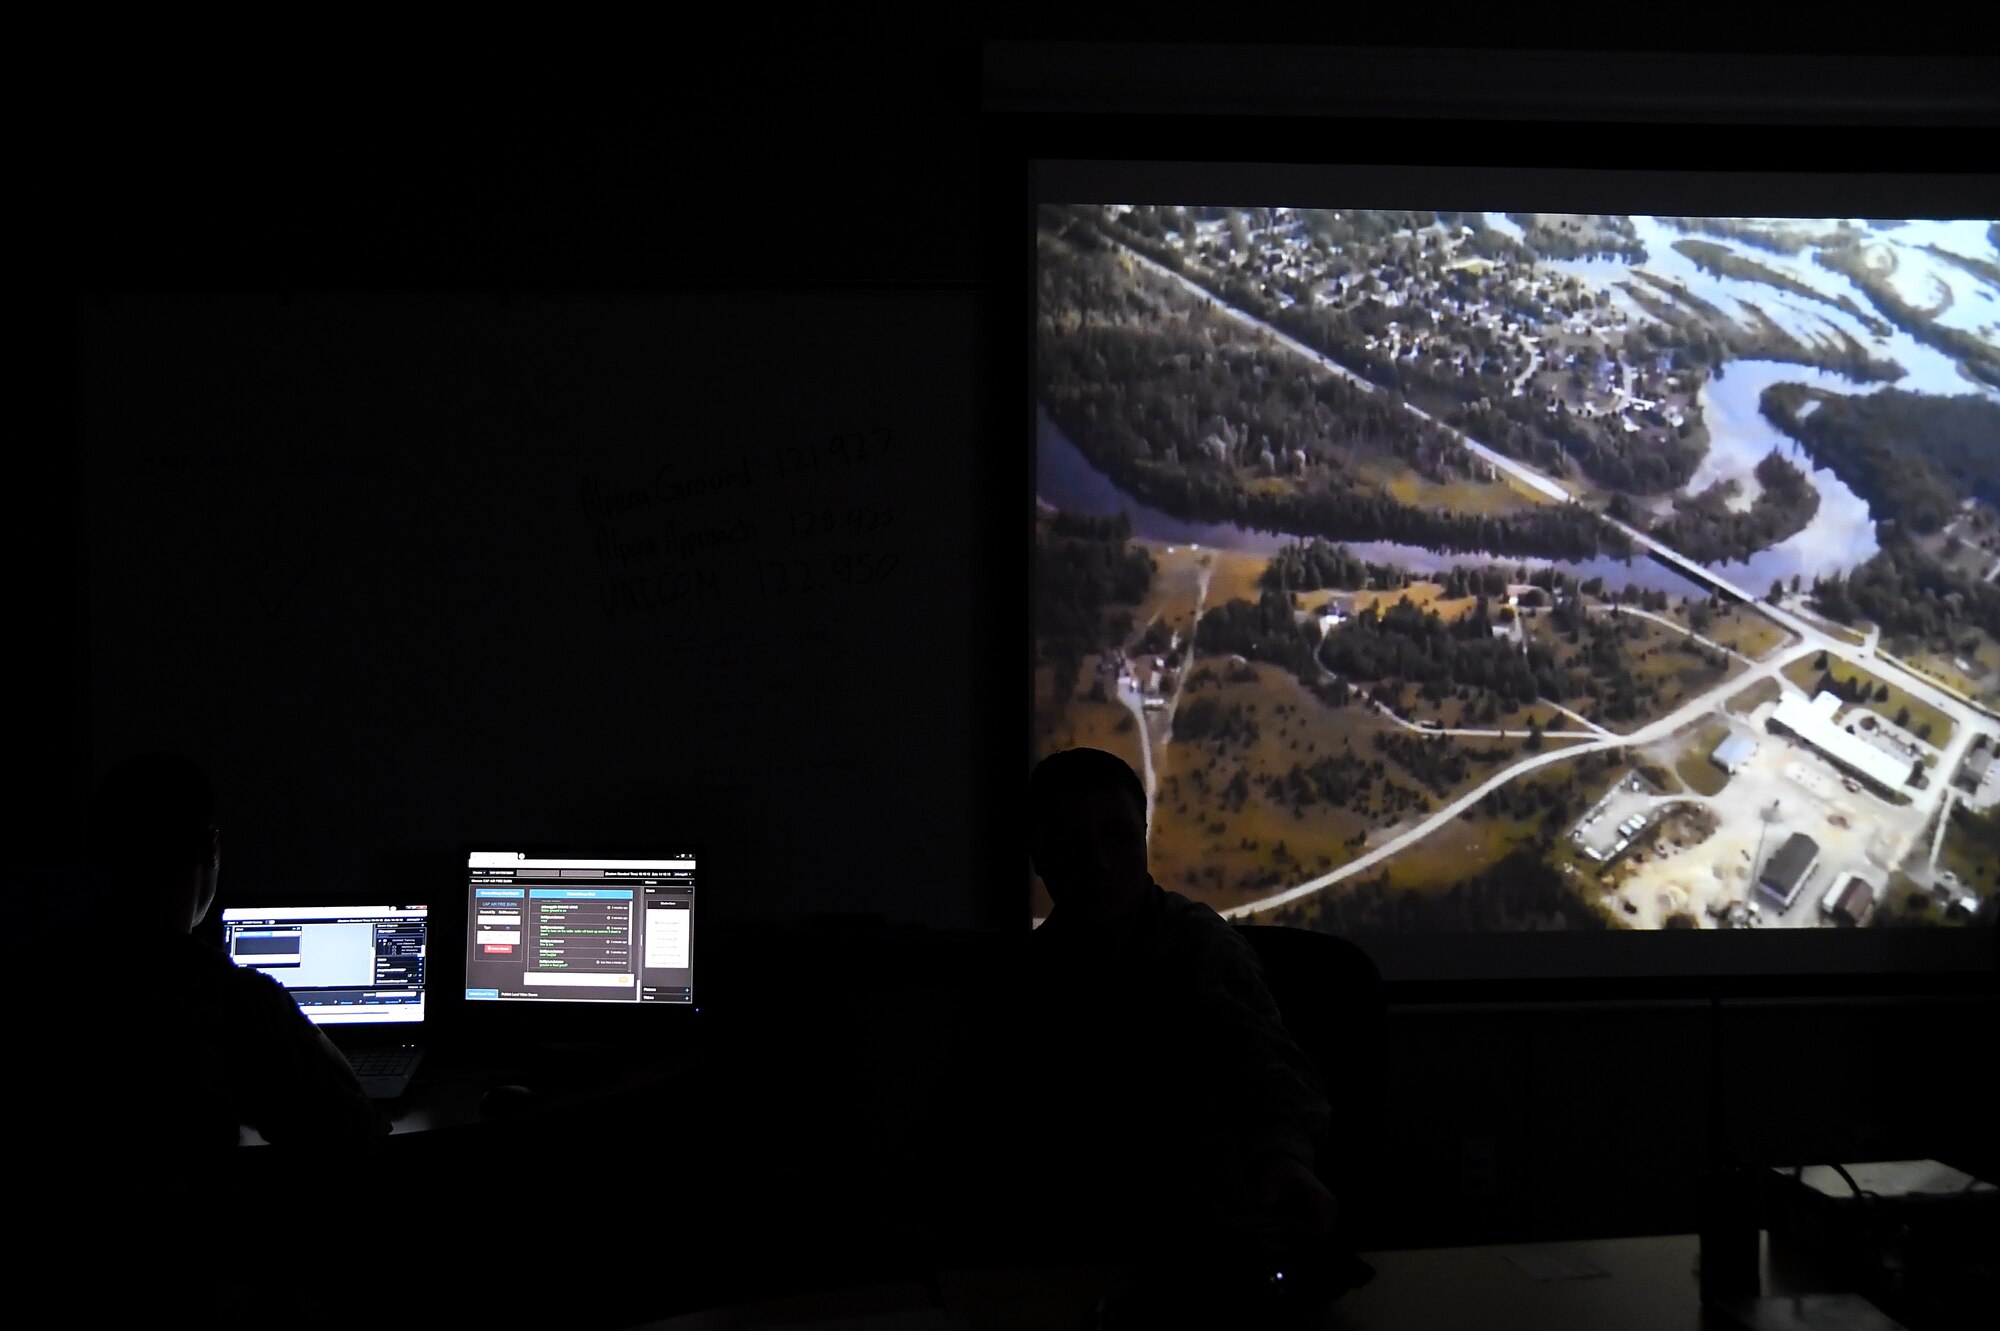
(1813,722)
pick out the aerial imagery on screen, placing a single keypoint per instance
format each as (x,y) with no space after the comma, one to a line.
(1485,572)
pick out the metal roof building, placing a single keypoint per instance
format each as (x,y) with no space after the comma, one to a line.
(1733,752)
(1813,722)
(1786,872)
(1849,901)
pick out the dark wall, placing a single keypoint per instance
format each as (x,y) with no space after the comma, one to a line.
(411,570)
(840,193)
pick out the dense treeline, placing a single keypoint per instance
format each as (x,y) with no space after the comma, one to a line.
(1520,892)
(1083,570)
(1725,262)
(1912,456)
(1707,530)
(1182,412)
(1562,236)
(1910,597)
(1206,718)
(1269,630)
(1087,578)
(1310,565)
(1403,647)
(1410,646)
(1646,463)
(1979,357)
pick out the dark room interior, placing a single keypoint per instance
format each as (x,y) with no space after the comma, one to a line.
(580,466)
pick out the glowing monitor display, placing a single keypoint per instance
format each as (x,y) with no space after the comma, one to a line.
(579,929)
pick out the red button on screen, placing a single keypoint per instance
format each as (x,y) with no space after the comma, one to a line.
(493,949)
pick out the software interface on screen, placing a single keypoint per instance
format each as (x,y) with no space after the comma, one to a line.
(346,965)
(589,930)
(1481,572)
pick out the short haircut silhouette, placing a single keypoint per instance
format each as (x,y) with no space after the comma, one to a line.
(1061,777)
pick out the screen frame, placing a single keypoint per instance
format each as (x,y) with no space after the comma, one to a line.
(548,1020)
(216,925)
(1051,158)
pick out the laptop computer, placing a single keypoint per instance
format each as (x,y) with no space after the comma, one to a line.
(357,972)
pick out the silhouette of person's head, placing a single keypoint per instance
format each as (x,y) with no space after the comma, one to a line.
(1088,817)
(155,841)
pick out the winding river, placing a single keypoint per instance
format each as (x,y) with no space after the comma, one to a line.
(1842,532)
(1065,478)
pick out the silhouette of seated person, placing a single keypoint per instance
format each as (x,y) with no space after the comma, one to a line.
(165,1056)
(1141,1083)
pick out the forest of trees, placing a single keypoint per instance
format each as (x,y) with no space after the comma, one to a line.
(1188,413)
(1912,456)
(1645,463)
(1306,566)
(1268,630)
(1207,718)
(1707,530)
(1402,647)
(1562,236)
(1410,646)
(1086,579)
(1083,569)
(1910,596)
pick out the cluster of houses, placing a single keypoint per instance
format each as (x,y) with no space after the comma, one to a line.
(1517,311)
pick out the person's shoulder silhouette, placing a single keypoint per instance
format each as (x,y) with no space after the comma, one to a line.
(172,1046)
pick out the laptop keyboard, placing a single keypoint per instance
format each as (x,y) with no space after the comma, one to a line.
(382,1062)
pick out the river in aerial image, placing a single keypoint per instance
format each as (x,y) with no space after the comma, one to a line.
(1925,368)
(1065,479)
(1841,534)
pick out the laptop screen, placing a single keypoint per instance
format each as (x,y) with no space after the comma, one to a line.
(579,928)
(345,965)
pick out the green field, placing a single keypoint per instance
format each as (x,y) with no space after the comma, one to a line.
(1742,629)
(1224,848)
(1693,766)
(1749,700)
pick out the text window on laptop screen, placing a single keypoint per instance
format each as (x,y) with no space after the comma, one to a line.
(585,929)
(345,965)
